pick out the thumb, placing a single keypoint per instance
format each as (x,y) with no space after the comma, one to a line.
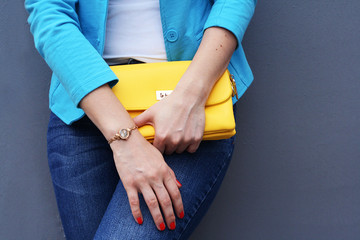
(178,184)
(143,119)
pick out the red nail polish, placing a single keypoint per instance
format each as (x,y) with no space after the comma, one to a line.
(179,183)
(162,226)
(182,214)
(139,220)
(172,226)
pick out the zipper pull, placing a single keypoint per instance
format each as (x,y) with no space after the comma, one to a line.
(233,86)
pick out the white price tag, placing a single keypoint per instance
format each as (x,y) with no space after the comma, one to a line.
(161,94)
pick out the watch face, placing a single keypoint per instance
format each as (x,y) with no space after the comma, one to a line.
(124,133)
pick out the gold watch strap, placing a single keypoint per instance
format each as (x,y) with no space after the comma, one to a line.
(122,134)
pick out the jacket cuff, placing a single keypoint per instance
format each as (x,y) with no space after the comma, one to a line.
(107,77)
(235,19)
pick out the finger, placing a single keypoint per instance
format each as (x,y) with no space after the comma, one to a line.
(134,205)
(166,204)
(193,142)
(174,178)
(175,196)
(153,205)
(193,147)
(159,143)
(181,148)
(143,119)
(170,149)
(178,183)
(173,143)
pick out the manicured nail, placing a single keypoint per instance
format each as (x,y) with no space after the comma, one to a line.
(182,214)
(162,226)
(179,183)
(172,226)
(139,220)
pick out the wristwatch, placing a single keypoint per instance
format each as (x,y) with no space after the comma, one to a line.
(123,134)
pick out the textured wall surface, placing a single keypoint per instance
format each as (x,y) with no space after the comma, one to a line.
(27,203)
(295,172)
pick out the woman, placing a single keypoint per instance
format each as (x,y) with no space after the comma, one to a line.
(74,37)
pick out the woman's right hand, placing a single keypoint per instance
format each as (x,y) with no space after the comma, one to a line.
(142,169)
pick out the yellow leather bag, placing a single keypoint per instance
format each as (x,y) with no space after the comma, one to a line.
(142,85)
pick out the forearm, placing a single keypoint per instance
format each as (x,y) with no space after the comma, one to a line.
(140,166)
(209,63)
(106,111)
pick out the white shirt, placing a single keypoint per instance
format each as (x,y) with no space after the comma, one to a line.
(134,30)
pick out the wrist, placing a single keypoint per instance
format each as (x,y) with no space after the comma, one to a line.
(193,92)
(118,146)
(122,135)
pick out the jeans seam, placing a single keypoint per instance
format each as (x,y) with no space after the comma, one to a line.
(203,200)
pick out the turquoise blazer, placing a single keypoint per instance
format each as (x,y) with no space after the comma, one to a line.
(70,36)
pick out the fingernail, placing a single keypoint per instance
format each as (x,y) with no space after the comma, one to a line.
(172,226)
(182,214)
(139,220)
(162,226)
(179,183)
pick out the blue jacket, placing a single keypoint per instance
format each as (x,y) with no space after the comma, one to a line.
(70,36)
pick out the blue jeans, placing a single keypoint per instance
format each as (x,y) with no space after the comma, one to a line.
(92,201)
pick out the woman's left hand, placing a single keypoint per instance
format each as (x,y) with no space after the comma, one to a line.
(179,122)
(179,119)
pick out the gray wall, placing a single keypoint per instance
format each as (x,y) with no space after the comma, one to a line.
(296,170)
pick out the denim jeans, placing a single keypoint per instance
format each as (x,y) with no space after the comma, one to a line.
(92,201)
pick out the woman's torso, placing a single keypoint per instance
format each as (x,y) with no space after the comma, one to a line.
(182,28)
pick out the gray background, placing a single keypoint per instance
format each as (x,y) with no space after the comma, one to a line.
(296,170)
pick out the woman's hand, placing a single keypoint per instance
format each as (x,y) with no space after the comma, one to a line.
(179,121)
(140,165)
(142,168)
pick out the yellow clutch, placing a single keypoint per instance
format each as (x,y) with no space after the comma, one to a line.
(142,85)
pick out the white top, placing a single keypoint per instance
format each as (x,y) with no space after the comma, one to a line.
(134,30)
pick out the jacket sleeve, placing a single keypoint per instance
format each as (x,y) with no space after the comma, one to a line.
(233,15)
(59,40)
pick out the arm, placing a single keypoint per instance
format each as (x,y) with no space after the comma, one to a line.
(179,119)
(140,165)
(82,71)
(84,74)
(233,15)
(59,40)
